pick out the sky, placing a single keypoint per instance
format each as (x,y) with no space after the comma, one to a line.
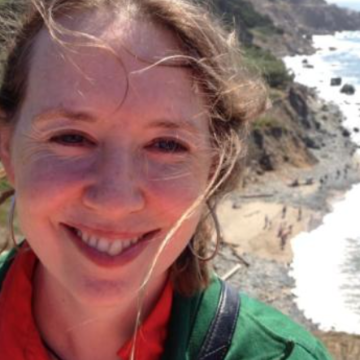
(352,4)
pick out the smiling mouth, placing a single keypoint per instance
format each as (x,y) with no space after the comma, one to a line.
(111,247)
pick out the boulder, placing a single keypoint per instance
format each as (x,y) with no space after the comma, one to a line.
(277,132)
(310,143)
(298,103)
(336,81)
(309,181)
(308,66)
(295,183)
(346,133)
(348,89)
(258,138)
(266,162)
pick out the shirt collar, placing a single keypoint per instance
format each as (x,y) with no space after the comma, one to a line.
(20,339)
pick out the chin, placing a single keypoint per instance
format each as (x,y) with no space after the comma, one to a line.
(93,292)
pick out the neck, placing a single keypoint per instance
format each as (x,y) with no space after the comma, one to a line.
(76,330)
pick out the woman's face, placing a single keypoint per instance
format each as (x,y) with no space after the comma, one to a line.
(106,157)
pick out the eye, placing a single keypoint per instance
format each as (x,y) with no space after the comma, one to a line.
(168,146)
(71,139)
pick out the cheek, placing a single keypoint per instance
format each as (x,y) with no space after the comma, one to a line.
(176,187)
(44,185)
(46,174)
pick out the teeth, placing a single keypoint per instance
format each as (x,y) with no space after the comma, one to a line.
(115,248)
(103,245)
(92,241)
(127,243)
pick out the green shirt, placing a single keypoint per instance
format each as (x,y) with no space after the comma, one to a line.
(262,333)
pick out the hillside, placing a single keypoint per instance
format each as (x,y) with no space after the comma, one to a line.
(292,132)
(300,19)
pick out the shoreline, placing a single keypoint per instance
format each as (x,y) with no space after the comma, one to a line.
(271,203)
(264,272)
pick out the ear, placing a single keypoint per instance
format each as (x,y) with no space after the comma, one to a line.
(6,133)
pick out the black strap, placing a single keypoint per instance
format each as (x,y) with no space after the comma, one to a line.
(219,336)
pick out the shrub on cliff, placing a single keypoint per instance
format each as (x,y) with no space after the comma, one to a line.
(271,68)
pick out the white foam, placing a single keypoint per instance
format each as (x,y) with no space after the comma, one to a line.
(325,288)
(319,258)
(320,75)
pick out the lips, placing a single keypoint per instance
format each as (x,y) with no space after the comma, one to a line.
(109,248)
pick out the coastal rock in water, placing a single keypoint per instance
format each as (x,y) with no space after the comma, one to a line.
(356,129)
(348,89)
(308,66)
(346,133)
(336,81)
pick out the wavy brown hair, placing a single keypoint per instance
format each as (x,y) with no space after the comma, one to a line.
(214,58)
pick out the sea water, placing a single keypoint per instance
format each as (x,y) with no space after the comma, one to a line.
(326,264)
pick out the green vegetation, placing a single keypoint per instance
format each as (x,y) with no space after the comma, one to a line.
(250,23)
(4,185)
(244,12)
(4,208)
(276,94)
(271,68)
(265,121)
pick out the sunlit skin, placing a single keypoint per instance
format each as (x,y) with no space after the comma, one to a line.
(85,153)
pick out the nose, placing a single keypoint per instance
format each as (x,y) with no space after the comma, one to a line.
(115,187)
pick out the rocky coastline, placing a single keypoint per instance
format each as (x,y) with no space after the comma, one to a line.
(269,203)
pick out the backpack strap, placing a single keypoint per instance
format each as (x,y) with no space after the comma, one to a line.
(220,333)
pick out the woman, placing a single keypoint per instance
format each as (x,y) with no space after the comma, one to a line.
(122,123)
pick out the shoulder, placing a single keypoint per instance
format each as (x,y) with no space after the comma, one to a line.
(263,330)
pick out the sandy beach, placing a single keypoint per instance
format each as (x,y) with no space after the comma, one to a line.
(263,218)
(263,228)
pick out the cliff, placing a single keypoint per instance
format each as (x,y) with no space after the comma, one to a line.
(300,19)
(292,132)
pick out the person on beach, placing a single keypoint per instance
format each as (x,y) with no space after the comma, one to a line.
(122,125)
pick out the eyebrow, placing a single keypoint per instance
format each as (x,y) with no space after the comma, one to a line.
(68,114)
(175,124)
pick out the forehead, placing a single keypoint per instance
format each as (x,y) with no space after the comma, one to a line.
(115,57)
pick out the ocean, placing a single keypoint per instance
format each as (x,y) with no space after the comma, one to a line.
(326,265)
